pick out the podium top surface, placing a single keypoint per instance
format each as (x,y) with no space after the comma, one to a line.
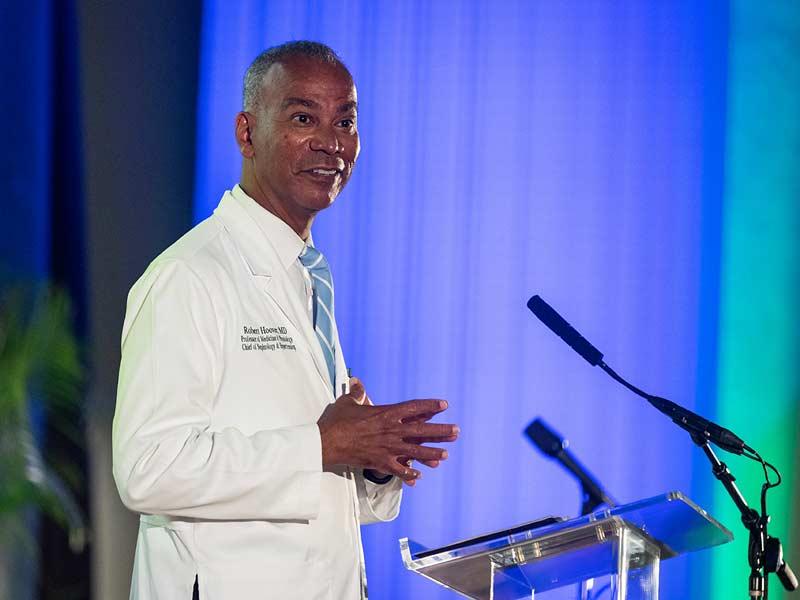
(672,521)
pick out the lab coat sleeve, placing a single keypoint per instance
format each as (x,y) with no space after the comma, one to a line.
(378,502)
(166,460)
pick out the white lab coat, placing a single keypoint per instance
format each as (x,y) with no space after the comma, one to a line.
(215,439)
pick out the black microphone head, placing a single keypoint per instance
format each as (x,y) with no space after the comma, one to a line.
(544,438)
(556,323)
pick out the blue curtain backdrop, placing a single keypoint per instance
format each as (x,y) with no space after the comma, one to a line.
(24,168)
(572,149)
(42,232)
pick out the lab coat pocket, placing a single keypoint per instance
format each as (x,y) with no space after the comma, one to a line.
(259,559)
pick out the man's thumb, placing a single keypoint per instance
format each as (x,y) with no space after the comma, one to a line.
(357,392)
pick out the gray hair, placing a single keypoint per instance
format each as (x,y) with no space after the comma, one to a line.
(254,76)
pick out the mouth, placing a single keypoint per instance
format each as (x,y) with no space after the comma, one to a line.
(327,176)
(324,171)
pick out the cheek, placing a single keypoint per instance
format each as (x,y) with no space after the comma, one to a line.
(285,156)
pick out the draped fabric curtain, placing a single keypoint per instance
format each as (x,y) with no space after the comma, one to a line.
(24,237)
(42,240)
(759,338)
(572,149)
(24,226)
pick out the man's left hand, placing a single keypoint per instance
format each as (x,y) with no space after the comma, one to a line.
(417,419)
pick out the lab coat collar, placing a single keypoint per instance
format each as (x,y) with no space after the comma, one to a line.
(260,232)
(264,241)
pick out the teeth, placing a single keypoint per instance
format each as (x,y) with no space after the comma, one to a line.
(324,171)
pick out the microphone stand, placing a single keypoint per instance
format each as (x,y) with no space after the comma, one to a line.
(764,553)
(756,524)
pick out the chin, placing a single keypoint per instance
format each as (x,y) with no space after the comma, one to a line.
(320,202)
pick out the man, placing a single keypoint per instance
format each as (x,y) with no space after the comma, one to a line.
(251,475)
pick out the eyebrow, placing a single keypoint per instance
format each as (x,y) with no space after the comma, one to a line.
(296,101)
(291,101)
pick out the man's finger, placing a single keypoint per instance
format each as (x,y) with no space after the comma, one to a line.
(432,464)
(357,390)
(425,440)
(356,395)
(418,418)
(413,408)
(403,471)
(424,452)
(430,431)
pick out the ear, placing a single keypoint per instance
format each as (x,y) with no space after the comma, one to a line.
(242,130)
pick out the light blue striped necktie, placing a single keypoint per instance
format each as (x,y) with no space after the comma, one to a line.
(322,286)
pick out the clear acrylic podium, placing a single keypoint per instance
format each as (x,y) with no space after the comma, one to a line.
(618,548)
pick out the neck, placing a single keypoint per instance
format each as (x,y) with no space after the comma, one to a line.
(300,223)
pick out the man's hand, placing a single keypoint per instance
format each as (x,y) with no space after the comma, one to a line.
(383,438)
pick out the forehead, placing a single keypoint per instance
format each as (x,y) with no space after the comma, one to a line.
(307,78)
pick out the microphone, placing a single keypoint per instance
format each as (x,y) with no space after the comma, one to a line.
(684,418)
(554,446)
(554,321)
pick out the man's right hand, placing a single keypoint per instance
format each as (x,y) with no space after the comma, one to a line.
(382,438)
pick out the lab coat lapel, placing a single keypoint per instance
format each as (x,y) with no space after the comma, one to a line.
(270,276)
(281,293)
(341,366)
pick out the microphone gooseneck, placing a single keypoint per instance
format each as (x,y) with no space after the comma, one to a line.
(684,418)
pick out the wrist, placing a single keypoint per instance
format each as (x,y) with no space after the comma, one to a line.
(327,448)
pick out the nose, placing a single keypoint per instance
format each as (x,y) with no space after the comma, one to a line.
(326,140)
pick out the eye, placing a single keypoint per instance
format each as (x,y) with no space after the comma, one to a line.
(302,118)
(347,123)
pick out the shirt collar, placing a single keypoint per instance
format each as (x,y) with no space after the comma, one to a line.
(285,241)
